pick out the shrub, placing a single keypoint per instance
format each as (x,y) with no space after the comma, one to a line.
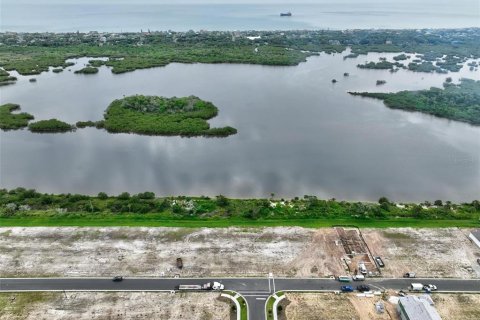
(50,126)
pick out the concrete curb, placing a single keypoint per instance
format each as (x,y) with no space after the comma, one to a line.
(275,304)
(234,298)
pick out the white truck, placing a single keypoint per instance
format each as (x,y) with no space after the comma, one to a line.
(358,277)
(216,286)
(362,268)
(416,287)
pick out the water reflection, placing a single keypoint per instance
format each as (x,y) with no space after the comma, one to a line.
(298,134)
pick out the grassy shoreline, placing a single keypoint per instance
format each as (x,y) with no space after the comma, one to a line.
(28,207)
(155,221)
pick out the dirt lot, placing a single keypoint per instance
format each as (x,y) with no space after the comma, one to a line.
(310,306)
(82,306)
(207,252)
(458,306)
(428,252)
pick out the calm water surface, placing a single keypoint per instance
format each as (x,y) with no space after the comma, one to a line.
(297,134)
(116,16)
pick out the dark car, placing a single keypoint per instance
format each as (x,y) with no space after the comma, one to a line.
(346,288)
(478,260)
(117,278)
(363,288)
(179,263)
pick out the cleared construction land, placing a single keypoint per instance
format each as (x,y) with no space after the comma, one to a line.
(95,305)
(310,306)
(207,252)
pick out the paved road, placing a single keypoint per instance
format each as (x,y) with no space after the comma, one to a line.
(255,290)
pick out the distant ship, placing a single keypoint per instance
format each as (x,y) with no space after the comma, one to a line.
(286,14)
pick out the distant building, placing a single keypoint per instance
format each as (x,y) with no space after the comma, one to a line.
(417,308)
(475,237)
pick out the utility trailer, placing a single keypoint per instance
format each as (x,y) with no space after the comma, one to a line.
(216,286)
(416,287)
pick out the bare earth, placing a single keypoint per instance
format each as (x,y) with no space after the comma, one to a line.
(313,306)
(292,252)
(90,305)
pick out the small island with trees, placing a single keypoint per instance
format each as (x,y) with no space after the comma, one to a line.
(50,126)
(147,115)
(154,115)
(460,102)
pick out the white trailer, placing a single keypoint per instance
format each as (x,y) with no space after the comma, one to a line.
(416,287)
(207,286)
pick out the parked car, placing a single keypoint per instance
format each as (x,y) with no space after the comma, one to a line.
(359,277)
(179,263)
(430,287)
(410,275)
(117,278)
(346,288)
(379,262)
(363,288)
(478,260)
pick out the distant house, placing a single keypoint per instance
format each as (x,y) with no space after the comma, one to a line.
(475,237)
(417,308)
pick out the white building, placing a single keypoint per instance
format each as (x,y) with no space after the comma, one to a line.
(417,308)
(475,237)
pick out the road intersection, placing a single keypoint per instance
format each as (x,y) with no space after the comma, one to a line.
(254,290)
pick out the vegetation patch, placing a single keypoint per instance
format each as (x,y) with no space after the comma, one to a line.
(28,207)
(131,51)
(13,121)
(84,124)
(5,78)
(87,70)
(17,305)
(153,115)
(380,65)
(50,126)
(457,102)
(402,56)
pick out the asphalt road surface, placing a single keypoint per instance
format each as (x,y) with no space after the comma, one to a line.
(255,290)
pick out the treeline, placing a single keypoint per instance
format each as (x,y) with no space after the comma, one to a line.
(27,202)
(457,102)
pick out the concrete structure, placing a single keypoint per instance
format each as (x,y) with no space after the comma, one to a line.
(475,237)
(417,308)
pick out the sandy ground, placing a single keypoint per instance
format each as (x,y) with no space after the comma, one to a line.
(292,252)
(153,251)
(82,306)
(427,252)
(458,306)
(311,306)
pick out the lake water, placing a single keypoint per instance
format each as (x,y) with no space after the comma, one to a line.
(116,16)
(297,134)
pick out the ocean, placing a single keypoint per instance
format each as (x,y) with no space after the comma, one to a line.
(113,16)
